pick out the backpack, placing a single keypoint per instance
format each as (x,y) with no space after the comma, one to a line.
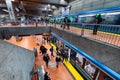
(68,20)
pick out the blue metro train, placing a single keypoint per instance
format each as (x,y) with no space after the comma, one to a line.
(110,19)
(88,67)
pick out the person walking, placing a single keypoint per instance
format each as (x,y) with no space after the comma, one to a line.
(68,23)
(98,21)
(57,50)
(46,58)
(65,22)
(47,76)
(43,49)
(51,50)
(57,61)
(37,42)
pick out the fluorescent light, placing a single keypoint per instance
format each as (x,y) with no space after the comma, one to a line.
(86,15)
(49,15)
(48,5)
(113,13)
(90,15)
(45,8)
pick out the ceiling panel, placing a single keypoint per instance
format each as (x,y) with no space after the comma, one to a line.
(38,6)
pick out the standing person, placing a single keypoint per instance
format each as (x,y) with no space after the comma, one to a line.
(47,76)
(68,23)
(57,49)
(51,50)
(43,49)
(43,40)
(46,58)
(37,42)
(36,22)
(64,55)
(48,39)
(57,61)
(65,22)
(98,21)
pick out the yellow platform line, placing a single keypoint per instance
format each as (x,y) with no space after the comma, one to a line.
(76,75)
(54,47)
(101,32)
(73,71)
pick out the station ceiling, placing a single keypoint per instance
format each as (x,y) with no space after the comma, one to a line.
(34,7)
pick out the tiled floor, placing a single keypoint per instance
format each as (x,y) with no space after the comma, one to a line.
(28,42)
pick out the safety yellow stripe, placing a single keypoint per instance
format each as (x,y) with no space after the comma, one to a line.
(110,33)
(73,71)
(103,32)
(54,47)
(76,75)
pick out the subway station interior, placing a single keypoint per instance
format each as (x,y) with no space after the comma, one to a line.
(59,39)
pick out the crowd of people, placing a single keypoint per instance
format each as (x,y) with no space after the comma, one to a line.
(46,57)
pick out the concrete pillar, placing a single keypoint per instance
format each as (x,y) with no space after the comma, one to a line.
(11,10)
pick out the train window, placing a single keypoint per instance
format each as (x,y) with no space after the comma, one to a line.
(57,43)
(79,59)
(90,69)
(81,19)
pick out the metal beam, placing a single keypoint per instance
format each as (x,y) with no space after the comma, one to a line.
(22,6)
(11,10)
(43,2)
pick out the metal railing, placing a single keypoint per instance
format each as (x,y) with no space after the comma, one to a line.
(106,33)
(24,25)
(38,73)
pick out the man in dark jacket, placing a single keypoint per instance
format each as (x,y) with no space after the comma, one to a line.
(57,61)
(43,49)
(46,58)
(97,21)
(51,50)
(46,76)
(65,22)
(68,23)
